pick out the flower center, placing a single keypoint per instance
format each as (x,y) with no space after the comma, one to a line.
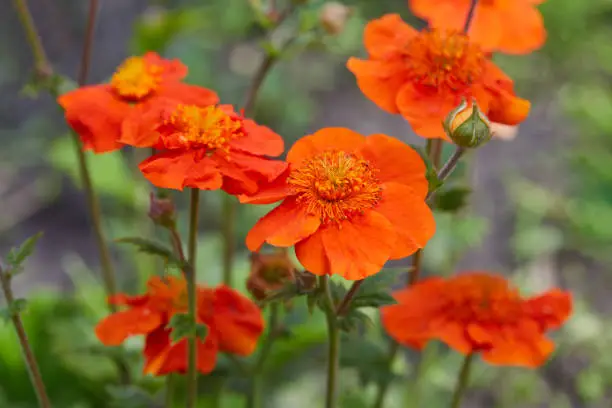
(444,59)
(336,185)
(211,128)
(135,78)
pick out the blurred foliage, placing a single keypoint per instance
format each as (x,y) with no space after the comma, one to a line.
(221,42)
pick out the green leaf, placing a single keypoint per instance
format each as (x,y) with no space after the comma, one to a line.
(17,256)
(182,326)
(431,172)
(375,290)
(54,84)
(201,331)
(370,358)
(14,308)
(373,300)
(353,320)
(152,247)
(129,397)
(452,199)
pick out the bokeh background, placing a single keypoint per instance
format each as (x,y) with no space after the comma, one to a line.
(540,210)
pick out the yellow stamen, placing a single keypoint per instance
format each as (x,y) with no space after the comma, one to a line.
(136,79)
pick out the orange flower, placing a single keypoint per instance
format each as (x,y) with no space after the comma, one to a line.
(97,112)
(478,312)
(234,324)
(350,203)
(510,26)
(203,146)
(424,75)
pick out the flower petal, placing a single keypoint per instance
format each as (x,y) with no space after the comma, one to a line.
(238,322)
(140,126)
(527,33)
(311,254)
(178,169)
(325,139)
(283,226)
(396,162)
(426,110)
(115,328)
(412,219)
(187,94)
(386,35)
(379,81)
(173,70)
(550,309)
(260,140)
(271,192)
(359,247)
(96,115)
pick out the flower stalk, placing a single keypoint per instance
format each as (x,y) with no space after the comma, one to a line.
(26,349)
(333,354)
(462,381)
(190,275)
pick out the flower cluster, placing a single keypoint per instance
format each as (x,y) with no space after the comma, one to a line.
(234,324)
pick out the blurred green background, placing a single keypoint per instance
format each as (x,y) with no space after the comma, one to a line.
(540,210)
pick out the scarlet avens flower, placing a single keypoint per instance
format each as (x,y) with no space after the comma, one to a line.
(478,312)
(510,26)
(350,203)
(424,75)
(205,147)
(234,324)
(97,112)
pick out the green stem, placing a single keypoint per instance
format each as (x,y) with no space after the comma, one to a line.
(228,228)
(383,386)
(462,380)
(190,274)
(26,349)
(333,354)
(170,382)
(32,37)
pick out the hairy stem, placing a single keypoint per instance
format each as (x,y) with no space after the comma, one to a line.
(333,354)
(33,38)
(26,349)
(190,274)
(462,381)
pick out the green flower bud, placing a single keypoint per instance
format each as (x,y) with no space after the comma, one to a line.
(467,126)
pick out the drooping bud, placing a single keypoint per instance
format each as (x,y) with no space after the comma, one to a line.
(162,210)
(333,17)
(269,273)
(467,126)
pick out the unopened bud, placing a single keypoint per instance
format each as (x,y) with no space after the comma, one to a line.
(269,273)
(333,17)
(162,210)
(467,126)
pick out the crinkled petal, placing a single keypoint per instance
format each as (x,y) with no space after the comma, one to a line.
(283,226)
(140,127)
(358,247)
(396,161)
(323,140)
(271,192)
(173,69)
(386,35)
(412,219)
(187,94)
(425,110)
(379,81)
(551,309)
(260,140)
(115,328)
(96,114)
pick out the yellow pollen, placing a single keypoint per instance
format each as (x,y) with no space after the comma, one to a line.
(210,128)
(336,185)
(444,59)
(136,79)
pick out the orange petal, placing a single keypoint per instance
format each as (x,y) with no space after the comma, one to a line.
(123,299)
(311,254)
(527,32)
(442,14)
(140,125)
(396,162)
(359,247)
(96,115)
(204,175)
(551,309)
(260,140)
(173,357)
(410,216)
(426,110)
(238,322)
(379,81)
(271,192)
(386,35)
(322,140)
(115,328)
(508,109)
(283,226)
(177,169)
(173,70)
(519,345)
(187,94)
(487,28)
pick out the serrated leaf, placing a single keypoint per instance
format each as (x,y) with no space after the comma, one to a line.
(14,308)
(338,291)
(152,247)
(181,326)
(354,319)
(373,300)
(18,255)
(201,331)
(452,199)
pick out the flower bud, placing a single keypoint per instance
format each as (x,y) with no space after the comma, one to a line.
(467,126)
(162,210)
(333,17)
(269,273)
